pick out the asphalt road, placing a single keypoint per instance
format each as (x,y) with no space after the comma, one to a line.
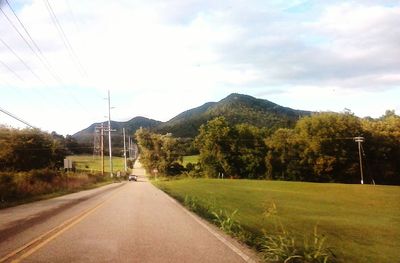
(122,222)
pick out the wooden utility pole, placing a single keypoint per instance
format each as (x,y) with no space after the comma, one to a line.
(100,129)
(109,130)
(102,148)
(359,140)
(126,169)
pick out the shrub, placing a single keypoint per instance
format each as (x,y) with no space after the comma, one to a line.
(7,187)
(15,187)
(44,175)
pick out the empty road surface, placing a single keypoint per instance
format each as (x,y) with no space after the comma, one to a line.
(121,222)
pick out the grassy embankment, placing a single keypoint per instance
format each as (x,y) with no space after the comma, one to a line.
(23,187)
(361,222)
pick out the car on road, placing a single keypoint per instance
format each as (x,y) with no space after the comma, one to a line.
(132,177)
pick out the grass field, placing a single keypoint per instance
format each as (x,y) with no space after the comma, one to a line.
(361,222)
(190,159)
(93,163)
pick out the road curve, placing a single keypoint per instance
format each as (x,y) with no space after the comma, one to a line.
(126,222)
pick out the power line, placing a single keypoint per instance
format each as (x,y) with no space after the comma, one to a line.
(21,60)
(11,70)
(15,28)
(64,38)
(15,117)
(38,53)
(36,49)
(72,15)
(23,26)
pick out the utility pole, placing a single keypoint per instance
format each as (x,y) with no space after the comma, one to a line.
(102,148)
(100,129)
(129,147)
(359,140)
(109,134)
(123,130)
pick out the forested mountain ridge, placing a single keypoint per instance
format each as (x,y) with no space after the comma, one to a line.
(86,135)
(236,108)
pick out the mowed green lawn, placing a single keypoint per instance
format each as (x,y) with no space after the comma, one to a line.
(361,222)
(93,163)
(190,159)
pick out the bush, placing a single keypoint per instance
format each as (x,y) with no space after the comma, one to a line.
(7,187)
(174,169)
(15,187)
(44,175)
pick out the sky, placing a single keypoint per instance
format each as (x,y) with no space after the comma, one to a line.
(159,58)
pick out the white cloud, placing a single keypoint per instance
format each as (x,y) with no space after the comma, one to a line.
(161,58)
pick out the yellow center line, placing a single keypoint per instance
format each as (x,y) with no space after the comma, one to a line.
(42,240)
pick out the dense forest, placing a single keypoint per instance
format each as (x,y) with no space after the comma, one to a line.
(319,148)
(27,149)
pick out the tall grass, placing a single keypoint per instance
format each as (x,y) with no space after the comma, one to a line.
(21,187)
(279,245)
(283,246)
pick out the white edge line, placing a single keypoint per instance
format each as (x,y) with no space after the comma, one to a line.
(218,236)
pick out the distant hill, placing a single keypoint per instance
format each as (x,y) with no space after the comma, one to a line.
(86,135)
(236,108)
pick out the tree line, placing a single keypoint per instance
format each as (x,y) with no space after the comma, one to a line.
(27,149)
(320,148)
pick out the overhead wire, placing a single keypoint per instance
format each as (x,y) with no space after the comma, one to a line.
(21,60)
(17,118)
(64,38)
(38,52)
(11,70)
(68,45)
(72,15)
(34,47)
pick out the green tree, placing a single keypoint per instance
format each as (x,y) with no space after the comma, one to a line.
(248,152)
(237,151)
(161,152)
(329,150)
(283,158)
(382,148)
(213,143)
(23,150)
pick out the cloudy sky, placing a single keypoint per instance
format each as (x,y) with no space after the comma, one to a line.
(159,58)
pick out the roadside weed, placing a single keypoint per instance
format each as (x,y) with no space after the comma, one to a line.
(282,246)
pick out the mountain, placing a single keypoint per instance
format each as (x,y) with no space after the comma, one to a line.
(236,108)
(86,135)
